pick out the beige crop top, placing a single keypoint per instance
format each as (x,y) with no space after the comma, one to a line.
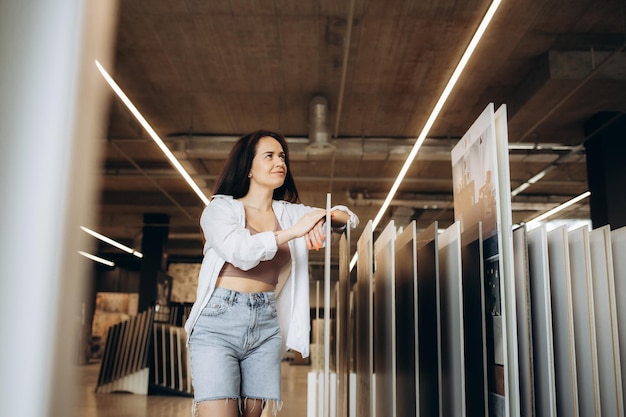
(266,271)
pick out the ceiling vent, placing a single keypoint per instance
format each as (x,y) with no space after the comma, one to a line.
(319,135)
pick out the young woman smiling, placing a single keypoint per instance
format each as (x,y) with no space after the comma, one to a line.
(253,288)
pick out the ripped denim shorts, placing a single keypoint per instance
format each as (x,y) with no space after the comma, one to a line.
(235,348)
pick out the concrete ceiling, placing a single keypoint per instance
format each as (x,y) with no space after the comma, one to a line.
(206,72)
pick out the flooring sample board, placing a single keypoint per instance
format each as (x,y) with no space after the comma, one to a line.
(584,322)
(122,351)
(543,346)
(128,347)
(524,322)
(452,350)
(495,323)
(108,357)
(474,322)
(365,323)
(429,335)
(618,243)
(482,193)
(500,123)
(343,325)
(607,339)
(562,323)
(385,322)
(171,365)
(407,362)
(329,394)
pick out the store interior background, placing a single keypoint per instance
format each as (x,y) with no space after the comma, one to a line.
(204,73)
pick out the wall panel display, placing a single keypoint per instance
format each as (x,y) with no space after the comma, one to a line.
(406,322)
(452,349)
(474,323)
(611,392)
(618,243)
(562,323)
(584,322)
(364,323)
(112,308)
(385,322)
(524,322)
(543,345)
(429,335)
(481,185)
(184,281)
(125,365)
(171,372)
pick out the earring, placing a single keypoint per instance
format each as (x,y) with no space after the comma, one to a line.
(249,175)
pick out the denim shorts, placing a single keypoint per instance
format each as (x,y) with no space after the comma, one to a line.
(235,348)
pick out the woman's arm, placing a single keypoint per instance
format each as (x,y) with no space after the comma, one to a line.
(339,218)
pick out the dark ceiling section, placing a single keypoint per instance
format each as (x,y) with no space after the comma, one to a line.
(204,73)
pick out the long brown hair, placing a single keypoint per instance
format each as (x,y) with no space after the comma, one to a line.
(234,179)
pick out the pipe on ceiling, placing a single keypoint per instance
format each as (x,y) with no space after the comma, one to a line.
(319,135)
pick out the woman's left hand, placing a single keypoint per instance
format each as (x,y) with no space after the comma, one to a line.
(315,237)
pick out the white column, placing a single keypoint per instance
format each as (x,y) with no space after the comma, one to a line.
(50,113)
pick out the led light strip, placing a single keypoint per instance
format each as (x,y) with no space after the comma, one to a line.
(96,258)
(558,208)
(435,113)
(152,133)
(112,242)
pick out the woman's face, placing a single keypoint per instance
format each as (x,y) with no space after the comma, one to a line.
(268,166)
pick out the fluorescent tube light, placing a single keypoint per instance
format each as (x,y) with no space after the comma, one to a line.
(97,258)
(435,113)
(559,208)
(152,133)
(520,189)
(112,242)
(528,183)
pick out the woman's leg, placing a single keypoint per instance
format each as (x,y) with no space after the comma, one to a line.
(229,408)
(252,407)
(261,366)
(217,408)
(215,346)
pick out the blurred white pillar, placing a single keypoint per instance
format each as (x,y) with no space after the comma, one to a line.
(51,109)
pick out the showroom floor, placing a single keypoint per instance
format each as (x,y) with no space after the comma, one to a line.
(92,404)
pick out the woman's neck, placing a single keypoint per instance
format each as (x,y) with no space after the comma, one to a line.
(259,202)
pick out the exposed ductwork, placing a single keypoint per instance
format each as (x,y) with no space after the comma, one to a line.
(197,145)
(319,134)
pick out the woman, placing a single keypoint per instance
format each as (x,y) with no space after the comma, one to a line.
(253,288)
